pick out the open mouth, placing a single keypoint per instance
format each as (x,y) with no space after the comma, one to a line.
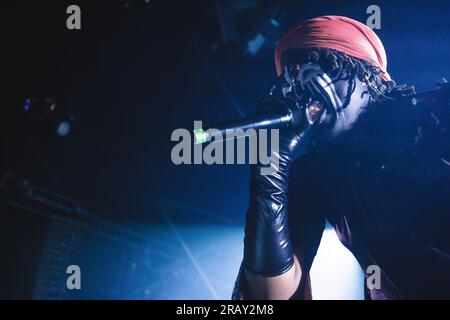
(314,110)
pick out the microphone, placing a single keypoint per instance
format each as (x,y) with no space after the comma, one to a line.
(264,121)
(273,114)
(284,117)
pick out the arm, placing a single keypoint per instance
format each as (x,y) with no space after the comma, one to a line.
(280,287)
(271,269)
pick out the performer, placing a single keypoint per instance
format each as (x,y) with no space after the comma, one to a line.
(379,172)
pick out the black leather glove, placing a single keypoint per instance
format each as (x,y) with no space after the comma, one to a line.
(267,245)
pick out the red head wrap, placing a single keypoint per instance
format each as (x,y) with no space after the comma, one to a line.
(334,32)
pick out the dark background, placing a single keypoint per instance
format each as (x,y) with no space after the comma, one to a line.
(138,70)
(133,74)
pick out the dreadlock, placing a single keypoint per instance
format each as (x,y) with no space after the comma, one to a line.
(337,63)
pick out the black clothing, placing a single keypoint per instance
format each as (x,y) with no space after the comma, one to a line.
(385,187)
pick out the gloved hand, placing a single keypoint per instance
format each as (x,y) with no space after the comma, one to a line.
(267,245)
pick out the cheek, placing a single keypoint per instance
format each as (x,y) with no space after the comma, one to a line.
(341,88)
(350,114)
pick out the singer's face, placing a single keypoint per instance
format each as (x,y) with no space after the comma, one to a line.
(344,97)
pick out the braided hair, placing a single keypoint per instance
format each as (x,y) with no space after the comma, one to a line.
(337,63)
